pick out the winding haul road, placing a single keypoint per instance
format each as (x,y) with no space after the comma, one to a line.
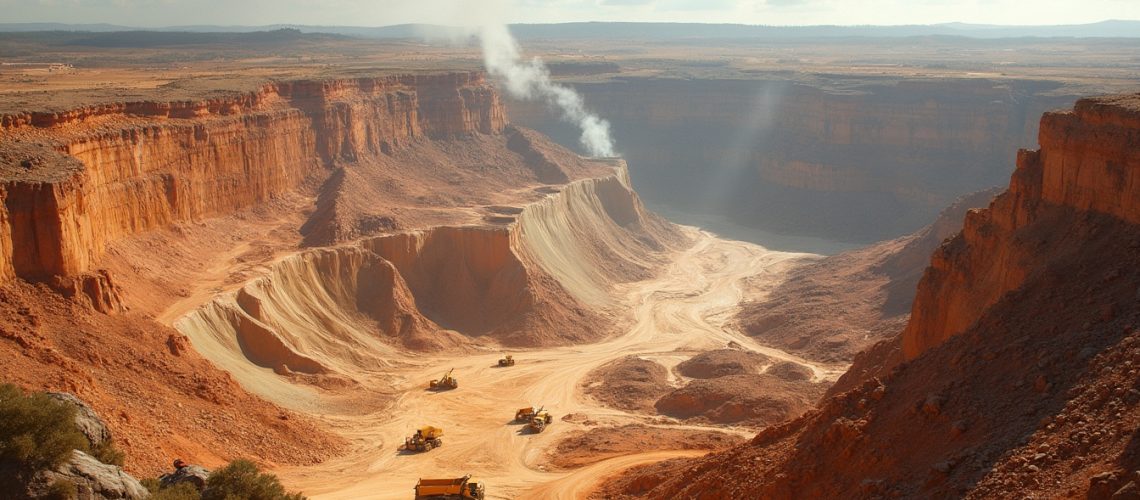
(685,309)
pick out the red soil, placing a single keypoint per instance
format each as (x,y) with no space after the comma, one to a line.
(159,397)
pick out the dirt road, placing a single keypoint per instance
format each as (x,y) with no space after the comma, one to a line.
(684,309)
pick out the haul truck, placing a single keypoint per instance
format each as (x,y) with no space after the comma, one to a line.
(424,439)
(462,488)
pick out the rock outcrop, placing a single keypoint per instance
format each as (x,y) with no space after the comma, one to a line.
(1087,162)
(1020,353)
(86,420)
(74,181)
(195,475)
(93,480)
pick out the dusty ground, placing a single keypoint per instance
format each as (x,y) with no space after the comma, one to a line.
(601,443)
(683,309)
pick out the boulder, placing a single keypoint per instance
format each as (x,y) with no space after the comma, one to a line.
(193,474)
(93,480)
(86,420)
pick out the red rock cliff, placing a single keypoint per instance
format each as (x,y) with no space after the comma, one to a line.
(1022,350)
(75,180)
(1089,160)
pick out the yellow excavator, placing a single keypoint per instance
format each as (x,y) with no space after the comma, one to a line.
(425,438)
(462,488)
(446,382)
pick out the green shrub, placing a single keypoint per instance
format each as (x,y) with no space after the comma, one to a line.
(181,491)
(36,432)
(241,480)
(61,489)
(107,453)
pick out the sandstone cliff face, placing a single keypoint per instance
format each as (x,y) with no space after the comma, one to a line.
(1087,162)
(79,179)
(857,161)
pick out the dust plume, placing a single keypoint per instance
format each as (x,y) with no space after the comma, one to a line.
(530,80)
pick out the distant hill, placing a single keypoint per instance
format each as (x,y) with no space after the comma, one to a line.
(649,31)
(143,39)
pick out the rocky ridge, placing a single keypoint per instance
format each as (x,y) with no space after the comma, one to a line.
(1019,353)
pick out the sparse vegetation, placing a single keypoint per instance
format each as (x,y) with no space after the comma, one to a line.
(36,432)
(181,491)
(242,479)
(107,453)
(60,490)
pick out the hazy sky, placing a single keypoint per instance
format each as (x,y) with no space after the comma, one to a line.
(387,12)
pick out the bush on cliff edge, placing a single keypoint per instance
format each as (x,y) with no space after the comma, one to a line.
(242,479)
(36,432)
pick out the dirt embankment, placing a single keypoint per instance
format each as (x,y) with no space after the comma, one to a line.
(631,384)
(722,362)
(600,443)
(728,386)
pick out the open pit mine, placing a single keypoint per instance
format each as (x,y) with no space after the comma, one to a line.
(378,285)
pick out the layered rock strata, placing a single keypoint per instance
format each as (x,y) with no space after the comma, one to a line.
(852,160)
(542,276)
(1088,161)
(76,180)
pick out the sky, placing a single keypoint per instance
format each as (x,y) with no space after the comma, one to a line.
(156,13)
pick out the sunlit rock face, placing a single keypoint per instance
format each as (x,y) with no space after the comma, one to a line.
(850,160)
(73,181)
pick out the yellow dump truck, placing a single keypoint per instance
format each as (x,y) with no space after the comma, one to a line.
(446,382)
(524,414)
(425,438)
(462,488)
(540,420)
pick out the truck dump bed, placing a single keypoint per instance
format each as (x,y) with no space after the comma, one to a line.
(428,487)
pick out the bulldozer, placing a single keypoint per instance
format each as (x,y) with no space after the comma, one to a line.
(540,420)
(462,488)
(508,360)
(446,382)
(425,438)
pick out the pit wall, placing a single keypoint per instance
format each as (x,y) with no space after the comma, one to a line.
(847,160)
(1087,162)
(339,310)
(124,168)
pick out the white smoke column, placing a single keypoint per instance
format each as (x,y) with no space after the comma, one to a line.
(531,81)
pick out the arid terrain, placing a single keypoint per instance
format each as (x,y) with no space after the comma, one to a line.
(266,245)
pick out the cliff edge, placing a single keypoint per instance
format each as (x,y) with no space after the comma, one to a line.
(1020,353)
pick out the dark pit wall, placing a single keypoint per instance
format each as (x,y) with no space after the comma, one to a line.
(838,159)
